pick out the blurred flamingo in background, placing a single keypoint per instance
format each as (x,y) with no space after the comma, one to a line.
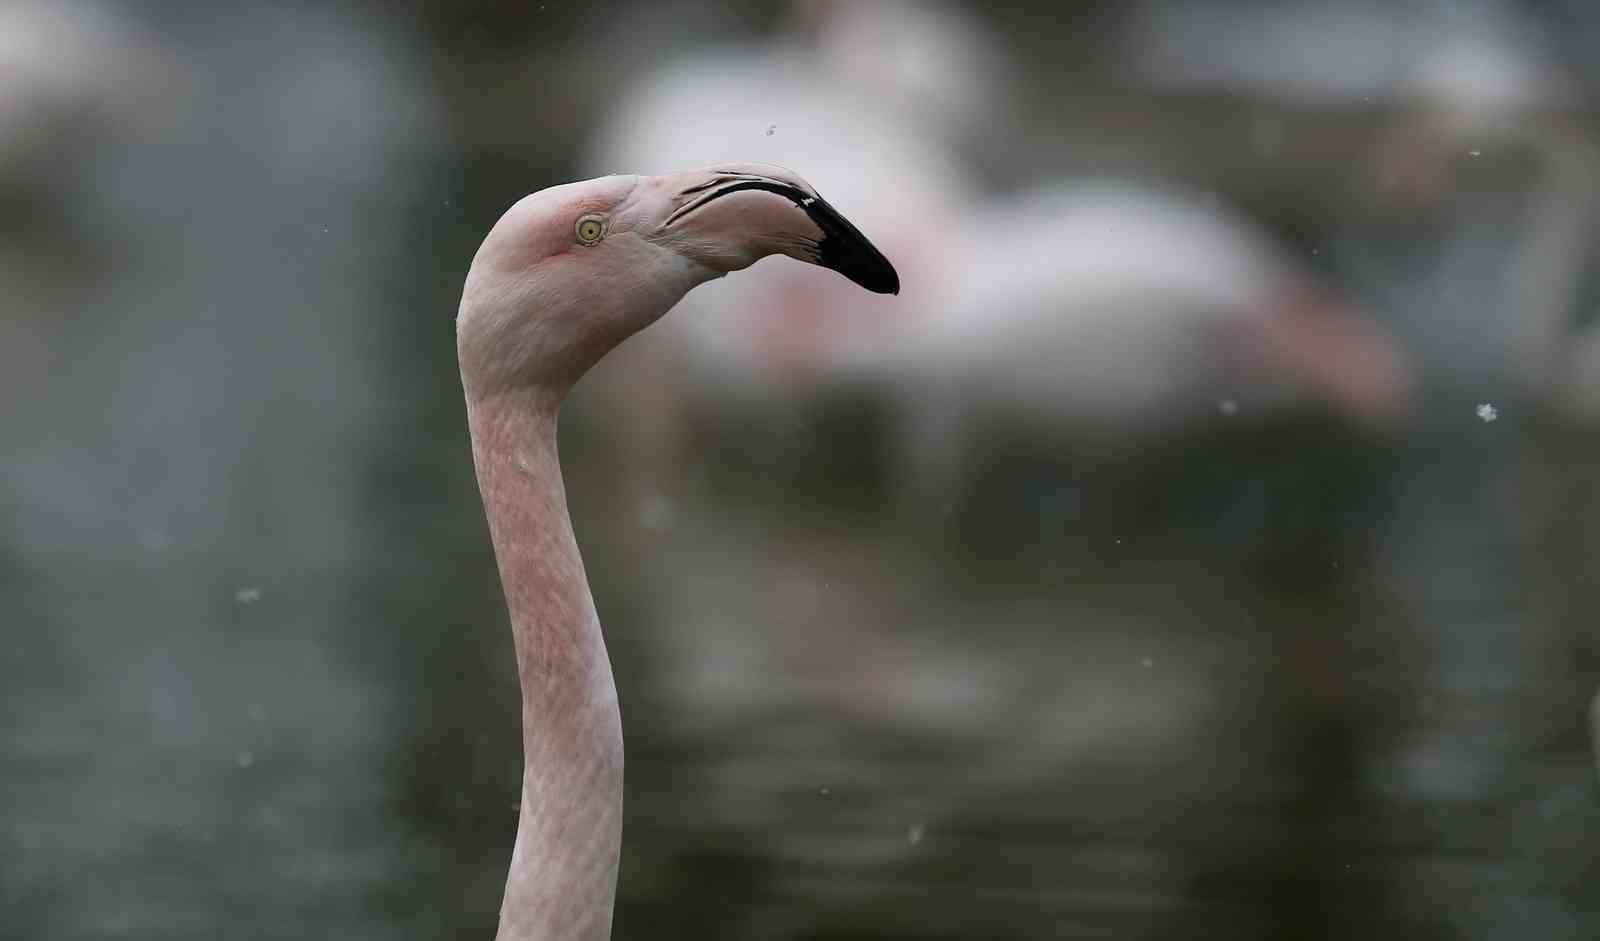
(1104,318)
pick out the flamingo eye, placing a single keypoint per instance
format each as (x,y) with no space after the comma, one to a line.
(591,229)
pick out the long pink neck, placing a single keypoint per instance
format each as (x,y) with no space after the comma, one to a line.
(564,867)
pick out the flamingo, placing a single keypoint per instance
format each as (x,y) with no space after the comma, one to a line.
(564,276)
(1106,318)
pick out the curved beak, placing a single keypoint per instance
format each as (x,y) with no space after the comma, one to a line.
(728,218)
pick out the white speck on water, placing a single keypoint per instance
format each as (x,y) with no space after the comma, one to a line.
(1488,412)
(1147,663)
(772,129)
(244,759)
(1475,153)
(1228,407)
(914,835)
(824,791)
(257,712)
(247,595)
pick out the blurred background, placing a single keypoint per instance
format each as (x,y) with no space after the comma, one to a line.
(1198,547)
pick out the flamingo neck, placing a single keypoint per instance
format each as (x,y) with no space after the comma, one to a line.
(563,873)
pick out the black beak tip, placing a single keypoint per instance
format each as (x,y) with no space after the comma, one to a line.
(860,261)
(882,279)
(846,250)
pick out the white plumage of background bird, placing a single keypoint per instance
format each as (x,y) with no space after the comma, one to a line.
(1105,317)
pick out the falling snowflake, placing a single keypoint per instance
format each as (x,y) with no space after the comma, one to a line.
(247,595)
(1488,412)
(1228,407)
(914,835)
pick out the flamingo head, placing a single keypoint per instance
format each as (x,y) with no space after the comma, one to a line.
(571,271)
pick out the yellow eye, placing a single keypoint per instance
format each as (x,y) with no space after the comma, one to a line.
(591,229)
